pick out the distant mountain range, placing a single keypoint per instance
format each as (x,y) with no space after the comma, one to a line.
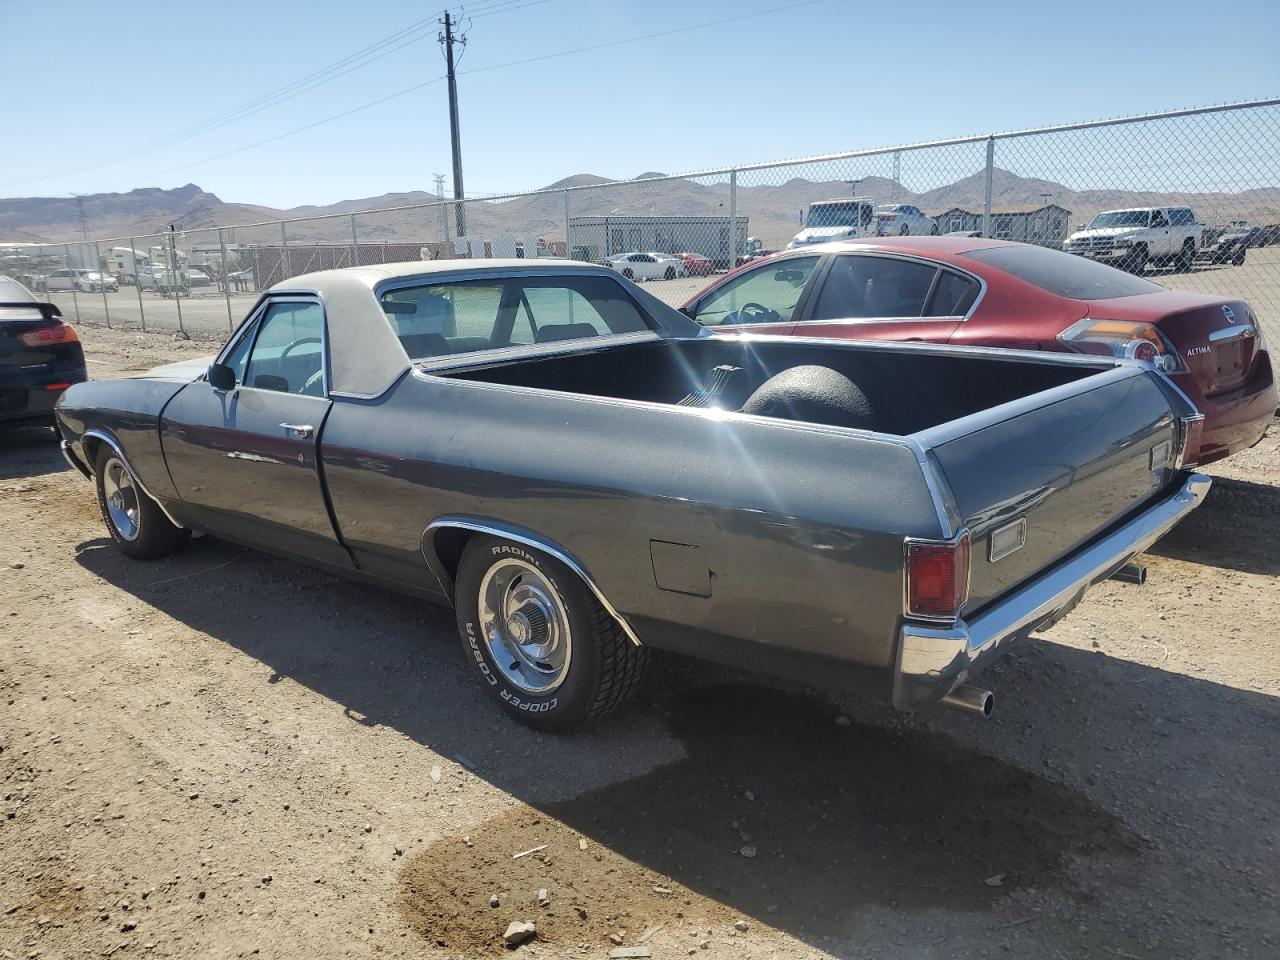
(773,210)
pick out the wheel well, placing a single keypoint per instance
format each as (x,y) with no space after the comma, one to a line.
(91,446)
(448,544)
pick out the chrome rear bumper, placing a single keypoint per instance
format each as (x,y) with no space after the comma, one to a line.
(933,661)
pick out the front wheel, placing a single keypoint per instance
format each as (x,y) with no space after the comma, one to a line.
(1238,259)
(1186,257)
(670,274)
(135,521)
(545,649)
(904,231)
(1136,260)
(628,274)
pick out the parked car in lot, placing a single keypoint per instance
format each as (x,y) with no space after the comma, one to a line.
(40,356)
(585,474)
(647,266)
(696,265)
(999,294)
(842,218)
(902,220)
(1131,239)
(77,278)
(1230,244)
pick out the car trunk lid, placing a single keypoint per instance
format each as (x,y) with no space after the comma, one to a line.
(1217,338)
(1032,487)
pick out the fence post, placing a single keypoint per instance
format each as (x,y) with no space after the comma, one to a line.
(285,270)
(733,219)
(97,259)
(355,244)
(137,281)
(568,247)
(175,281)
(66,255)
(226,279)
(986,203)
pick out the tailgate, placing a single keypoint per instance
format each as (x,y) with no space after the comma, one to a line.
(1055,476)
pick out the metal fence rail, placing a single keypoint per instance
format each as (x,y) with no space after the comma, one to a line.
(1036,186)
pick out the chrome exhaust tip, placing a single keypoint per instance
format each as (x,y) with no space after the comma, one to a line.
(971,698)
(1131,573)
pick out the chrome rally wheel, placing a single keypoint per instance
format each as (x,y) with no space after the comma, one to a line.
(525,626)
(120,496)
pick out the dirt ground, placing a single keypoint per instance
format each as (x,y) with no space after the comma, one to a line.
(229,755)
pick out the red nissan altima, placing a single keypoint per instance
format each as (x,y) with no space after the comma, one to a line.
(967,290)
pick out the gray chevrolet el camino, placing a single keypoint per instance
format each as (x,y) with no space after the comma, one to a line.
(584,474)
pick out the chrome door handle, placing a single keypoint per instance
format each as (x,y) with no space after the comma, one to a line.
(299,430)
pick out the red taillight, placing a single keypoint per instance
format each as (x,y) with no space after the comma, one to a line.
(58,333)
(888,216)
(56,386)
(937,577)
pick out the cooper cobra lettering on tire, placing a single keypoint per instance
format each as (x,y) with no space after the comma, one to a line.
(550,653)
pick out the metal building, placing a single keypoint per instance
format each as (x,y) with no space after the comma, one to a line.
(1046,226)
(595,238)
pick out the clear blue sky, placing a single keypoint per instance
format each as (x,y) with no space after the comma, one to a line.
(92,82)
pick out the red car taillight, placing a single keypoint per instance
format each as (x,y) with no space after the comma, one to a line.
(937,577)
(59,333)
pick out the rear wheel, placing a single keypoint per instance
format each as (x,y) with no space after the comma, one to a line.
(933,231)
(904,230)
(670,274)
(546,650)
(1238,259)
(135,521)
(628,274)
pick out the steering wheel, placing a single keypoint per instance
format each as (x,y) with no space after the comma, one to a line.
(316,377)
(755,313)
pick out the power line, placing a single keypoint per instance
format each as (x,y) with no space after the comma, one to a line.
(496,66)
(406,36)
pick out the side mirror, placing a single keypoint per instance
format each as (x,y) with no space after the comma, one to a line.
(221,377)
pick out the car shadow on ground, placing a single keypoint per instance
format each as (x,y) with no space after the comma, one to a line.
(771,807)
(29,451)
(1234,528)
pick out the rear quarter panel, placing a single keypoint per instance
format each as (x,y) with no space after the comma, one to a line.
(799,528)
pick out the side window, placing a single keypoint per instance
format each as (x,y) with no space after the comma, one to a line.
(1158,220)
(858,287)
(953,295)
(288,355)
(767,294)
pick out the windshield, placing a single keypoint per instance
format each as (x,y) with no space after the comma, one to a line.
(1121,218)
(837,214)
(1063,274)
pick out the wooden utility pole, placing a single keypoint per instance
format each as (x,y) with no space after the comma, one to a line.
(448,38)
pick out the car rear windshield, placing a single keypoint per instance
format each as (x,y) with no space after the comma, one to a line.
(1064,274)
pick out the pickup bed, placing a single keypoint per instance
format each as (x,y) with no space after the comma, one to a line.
(882,516)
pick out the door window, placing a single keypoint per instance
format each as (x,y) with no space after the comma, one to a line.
(1158,220)
(768,293)
(288,354)
(858,287)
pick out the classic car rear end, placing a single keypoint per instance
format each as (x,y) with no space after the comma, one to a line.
(40,356)
(584,474)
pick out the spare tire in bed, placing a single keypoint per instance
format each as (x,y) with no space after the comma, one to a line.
(812,394)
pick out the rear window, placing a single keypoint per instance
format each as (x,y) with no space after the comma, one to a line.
(467,316)
(1063,274)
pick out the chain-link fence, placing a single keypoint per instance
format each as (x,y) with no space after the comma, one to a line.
(1189,198)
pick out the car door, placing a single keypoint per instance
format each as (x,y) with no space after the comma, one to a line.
(878,297)
(1161,245)
(245,461)
(764,298)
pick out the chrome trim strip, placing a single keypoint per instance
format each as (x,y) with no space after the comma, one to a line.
(1235,332)
(115,445)
(932,661)
(498,529)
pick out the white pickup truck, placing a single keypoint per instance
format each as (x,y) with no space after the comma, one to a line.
(1130,239)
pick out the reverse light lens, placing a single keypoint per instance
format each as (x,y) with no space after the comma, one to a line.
(58,333)
(937,578)
(1124,338)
